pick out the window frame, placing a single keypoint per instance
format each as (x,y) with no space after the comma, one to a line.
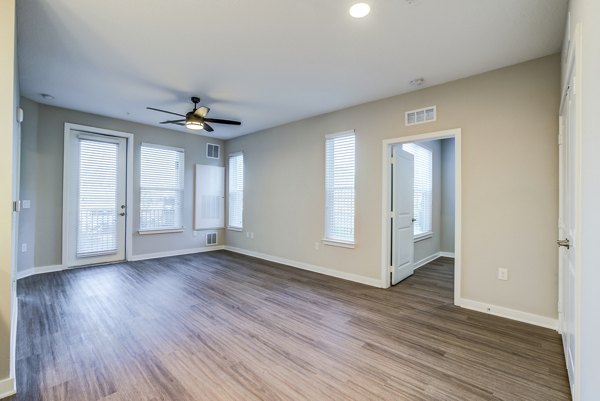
(328,240)
(147,231)
(231,227)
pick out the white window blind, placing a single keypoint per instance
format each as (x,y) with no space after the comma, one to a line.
(423,187)
(339,187)
(161,188)
(235,197)
(98,181)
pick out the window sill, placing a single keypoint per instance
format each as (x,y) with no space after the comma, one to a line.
(238,229)
(423,236)
(169,231)
(341,244)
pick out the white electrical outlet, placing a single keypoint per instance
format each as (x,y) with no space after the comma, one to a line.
(26,204)
(23,247)
(316,245)
(251,234)
(502,274)
(247,234)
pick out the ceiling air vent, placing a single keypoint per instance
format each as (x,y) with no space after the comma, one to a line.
(212,151)
(211,238)
(421,116)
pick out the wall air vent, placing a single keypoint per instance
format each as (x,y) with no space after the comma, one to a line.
(211,238)
(421,116)
(213,151)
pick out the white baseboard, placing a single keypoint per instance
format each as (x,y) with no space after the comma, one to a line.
(7,387)
(508,313)
(156,255)
(55,268)
(13,332)
(426,260)
(39,270)
(431,258)
(306,266)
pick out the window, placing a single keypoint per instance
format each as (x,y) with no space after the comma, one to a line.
(423,188)
(339,187)
(161,188)
(235,210)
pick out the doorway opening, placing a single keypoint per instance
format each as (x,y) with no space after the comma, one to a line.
(421,204)
(96,192)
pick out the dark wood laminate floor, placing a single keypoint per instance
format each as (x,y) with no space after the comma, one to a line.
(221,326)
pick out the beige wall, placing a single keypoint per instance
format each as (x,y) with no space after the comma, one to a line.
(509,176)
(7,130)
(41,181)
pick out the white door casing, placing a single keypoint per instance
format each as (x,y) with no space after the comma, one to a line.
(123,163)
(567,228)
(402,214)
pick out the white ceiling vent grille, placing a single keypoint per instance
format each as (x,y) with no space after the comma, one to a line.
(421,116)
(213,151)
(211,238)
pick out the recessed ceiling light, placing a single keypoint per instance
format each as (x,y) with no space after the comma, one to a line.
(46,96)
(360,10)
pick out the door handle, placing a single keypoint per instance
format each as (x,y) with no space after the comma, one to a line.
(413,219)
(564,242)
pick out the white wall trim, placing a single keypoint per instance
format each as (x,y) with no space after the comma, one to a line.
(431,258)
(373,282)
(157,255)
(67,182)
(13,330)
(7,387)
(38,270)
(455,133)
(56,268)
(508,313)
(426,260)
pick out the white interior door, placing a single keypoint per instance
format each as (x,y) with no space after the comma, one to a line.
(97,174)
(567,228)
(402,214)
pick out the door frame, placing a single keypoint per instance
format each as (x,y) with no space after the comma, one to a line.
(67,164)
(386,202)
(572,66)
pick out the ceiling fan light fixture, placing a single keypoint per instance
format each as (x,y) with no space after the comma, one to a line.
(195,125)
(360,10)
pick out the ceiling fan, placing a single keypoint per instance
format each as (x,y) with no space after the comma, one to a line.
(195,119)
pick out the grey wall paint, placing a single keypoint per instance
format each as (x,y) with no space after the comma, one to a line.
(430,246)
(284,174)
(28,187)
(448,195)
(42,181)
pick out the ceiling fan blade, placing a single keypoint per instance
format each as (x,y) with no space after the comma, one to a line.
(172,121)
(201,111)
(164,111)
(182,124)
(208,128)
(220,121)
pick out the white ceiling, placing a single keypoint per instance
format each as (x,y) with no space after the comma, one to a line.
(265,62)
